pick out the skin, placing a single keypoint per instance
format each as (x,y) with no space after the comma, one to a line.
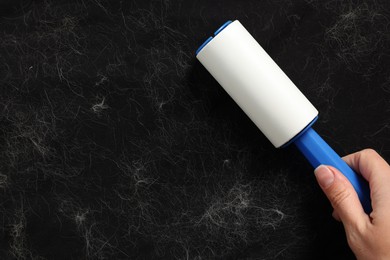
(368,235)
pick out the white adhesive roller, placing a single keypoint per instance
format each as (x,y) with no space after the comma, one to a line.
(270,98)
(257,84)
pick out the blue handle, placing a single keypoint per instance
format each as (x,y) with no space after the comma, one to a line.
(318,152)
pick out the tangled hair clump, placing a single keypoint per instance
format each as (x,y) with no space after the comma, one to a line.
(116,144)
(359,35)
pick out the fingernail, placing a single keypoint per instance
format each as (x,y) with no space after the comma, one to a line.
(324,176)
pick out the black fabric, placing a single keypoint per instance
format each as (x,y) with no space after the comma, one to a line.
(115,143)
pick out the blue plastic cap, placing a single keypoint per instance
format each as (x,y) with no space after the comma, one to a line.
(220,29)
(204,44)
(300,133)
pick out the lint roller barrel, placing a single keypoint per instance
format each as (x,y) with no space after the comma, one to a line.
(270,98)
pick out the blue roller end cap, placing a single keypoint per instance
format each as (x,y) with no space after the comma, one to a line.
(204,44)
(300,133)
(222,27)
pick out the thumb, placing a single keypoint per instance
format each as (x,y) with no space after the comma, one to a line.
(341,195)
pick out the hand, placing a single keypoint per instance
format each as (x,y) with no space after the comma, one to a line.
(367,235)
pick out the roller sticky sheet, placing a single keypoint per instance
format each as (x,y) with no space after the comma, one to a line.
(270,98)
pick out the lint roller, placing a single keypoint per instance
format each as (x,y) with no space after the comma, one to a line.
(270,98)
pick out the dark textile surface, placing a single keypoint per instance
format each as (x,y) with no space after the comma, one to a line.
(115,143)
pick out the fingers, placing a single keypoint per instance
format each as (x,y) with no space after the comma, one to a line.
(376,171)
(335,215)
(342,196)
(368,236)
